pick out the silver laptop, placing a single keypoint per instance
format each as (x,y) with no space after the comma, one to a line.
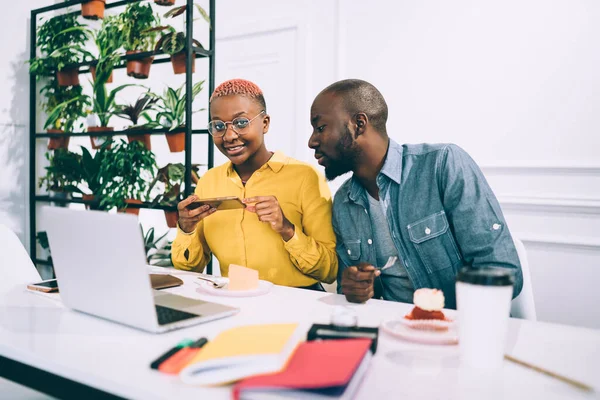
(100,264)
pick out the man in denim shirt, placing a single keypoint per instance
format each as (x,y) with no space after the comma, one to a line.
(428,204)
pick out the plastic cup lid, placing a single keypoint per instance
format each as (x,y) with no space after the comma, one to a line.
(487,276)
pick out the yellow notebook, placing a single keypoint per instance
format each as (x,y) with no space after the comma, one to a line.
(241,352)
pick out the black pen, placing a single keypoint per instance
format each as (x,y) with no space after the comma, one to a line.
(184,343)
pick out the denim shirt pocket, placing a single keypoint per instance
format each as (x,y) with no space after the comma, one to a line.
(353,249)
(433,240)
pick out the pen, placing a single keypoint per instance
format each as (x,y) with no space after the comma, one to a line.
(182,358)
(184,343)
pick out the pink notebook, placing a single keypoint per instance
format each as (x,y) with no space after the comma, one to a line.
(329,369)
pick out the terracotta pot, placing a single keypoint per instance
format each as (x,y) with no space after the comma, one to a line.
(171,217)
(139,69)
(131,210)
(164,2)
(176,141)
(58,142)
(90,198)
(141,137)
(93,9)
(93,71)
(68,77)
(178,62)
(97,141)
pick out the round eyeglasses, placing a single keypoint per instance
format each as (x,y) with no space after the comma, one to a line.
(218,128)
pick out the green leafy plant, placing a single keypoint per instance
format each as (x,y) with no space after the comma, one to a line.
(90,169)
(126,171)
(172,177)
(64,172)
(171,106)
(108,40)
(155,255)
(65,106)
(134,111)
(104,105)
(58,51)
(173,42)
(136,23)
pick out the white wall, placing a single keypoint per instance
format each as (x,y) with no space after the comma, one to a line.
(514,83)
(14,115)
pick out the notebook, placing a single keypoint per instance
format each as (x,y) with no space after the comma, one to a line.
(329,369)
(241,352)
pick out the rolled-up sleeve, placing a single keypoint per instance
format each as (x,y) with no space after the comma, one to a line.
(475,215)
(189,251)
(312,248)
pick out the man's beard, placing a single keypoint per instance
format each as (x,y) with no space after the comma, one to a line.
(348,153)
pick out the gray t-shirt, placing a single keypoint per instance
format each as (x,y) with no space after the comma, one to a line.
(395,281)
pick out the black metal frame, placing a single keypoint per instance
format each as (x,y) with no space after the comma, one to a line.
(49,383)
(160,57)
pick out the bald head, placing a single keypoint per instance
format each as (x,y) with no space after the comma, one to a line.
(359,96)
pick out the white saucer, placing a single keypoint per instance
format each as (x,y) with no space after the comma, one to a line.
(400,329)
(264,287)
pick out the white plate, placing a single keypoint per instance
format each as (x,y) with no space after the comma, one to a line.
(400,329)
(264,287)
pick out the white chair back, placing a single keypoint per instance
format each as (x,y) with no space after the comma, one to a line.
(523,306)
(16,266)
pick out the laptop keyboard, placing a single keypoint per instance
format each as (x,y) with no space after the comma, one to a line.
(168,315)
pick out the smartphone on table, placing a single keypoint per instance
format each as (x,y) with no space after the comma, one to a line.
(220,203)
(47,286)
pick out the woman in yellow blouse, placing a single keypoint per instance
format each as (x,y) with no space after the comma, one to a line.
(285,231)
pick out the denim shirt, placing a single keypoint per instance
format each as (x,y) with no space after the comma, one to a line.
(442,215)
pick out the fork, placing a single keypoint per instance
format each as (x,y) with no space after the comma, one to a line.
(390,261)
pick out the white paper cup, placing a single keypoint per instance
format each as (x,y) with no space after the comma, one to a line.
(483,297)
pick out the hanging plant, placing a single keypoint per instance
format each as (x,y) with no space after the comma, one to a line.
(126,171)
(137,22)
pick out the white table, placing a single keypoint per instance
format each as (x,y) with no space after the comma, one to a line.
(39,332)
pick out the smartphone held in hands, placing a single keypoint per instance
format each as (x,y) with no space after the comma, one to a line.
(48,286)
(220,203)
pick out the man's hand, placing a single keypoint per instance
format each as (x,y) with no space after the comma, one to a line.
(357,282)
(188,219)
(268,210)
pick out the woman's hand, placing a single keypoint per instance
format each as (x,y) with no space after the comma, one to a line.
(268,210)
(189,218)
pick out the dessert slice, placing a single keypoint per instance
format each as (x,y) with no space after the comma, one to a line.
(242,278)
(428,304)
(427,313)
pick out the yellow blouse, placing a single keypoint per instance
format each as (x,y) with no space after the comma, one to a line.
(238,237)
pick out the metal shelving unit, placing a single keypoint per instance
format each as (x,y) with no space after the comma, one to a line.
(159,58)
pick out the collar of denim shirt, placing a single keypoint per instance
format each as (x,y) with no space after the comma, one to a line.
(392,169)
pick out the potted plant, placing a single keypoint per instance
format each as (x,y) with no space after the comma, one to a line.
(173,42)
(60,51)
(108,40)
(65,107)
(93,9)
(126,172)
(136,23)
(133,112)
(171,176)
(164,2)
(171,114)
(90,175)
(162,255)
(62,175)
(103,108)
